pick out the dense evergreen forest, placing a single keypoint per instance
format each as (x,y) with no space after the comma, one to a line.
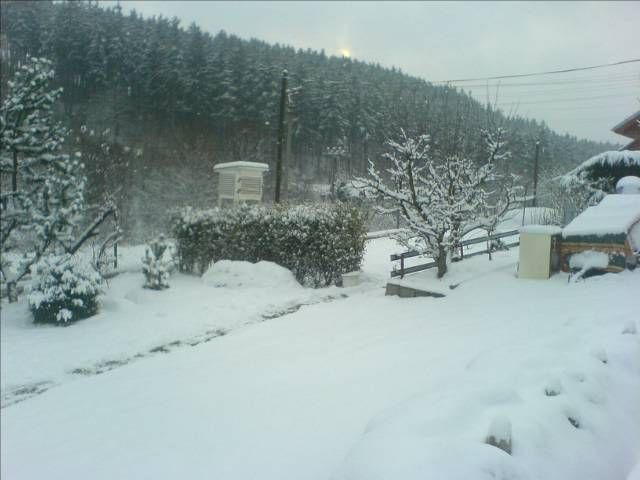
(153,106)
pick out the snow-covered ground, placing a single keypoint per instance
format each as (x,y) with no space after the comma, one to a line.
(134,323)
(362,387)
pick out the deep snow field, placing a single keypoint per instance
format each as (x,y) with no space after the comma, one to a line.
(244,374)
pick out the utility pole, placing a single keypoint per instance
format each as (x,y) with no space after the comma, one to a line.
(287,157)
(283,103)
(535,175)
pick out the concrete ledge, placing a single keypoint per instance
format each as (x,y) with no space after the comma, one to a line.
(404,291)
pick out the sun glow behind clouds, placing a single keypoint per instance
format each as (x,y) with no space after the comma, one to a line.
(345,53)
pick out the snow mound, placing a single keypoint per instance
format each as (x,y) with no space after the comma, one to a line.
(629,185)
(229,273)
(589,259)
(416,458)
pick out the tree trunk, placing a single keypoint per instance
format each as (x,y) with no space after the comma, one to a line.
(14,173)
(442,261)
(12,292)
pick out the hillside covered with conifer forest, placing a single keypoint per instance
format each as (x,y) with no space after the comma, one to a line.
(153,105)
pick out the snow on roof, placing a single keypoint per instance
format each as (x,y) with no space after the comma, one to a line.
(613,215)
(250,165)
(629,119)
(611,158)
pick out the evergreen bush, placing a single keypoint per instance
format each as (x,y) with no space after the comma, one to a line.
(66,290)
(158,263)
(318,243)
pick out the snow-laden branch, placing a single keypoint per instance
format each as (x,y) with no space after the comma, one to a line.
(442,197)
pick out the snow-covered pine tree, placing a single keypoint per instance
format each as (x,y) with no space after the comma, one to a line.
(42,188)
(42,196)
(66,290)
(440,197)
(158,263)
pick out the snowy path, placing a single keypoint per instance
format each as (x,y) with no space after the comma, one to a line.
(366,387)
(25,376)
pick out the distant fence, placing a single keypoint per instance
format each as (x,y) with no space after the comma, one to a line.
(402,271)
(384,233)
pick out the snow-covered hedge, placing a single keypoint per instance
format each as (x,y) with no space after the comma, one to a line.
(590,181)
(317,243)
(66,290)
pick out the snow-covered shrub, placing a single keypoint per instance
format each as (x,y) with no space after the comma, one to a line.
(601,172)
(318,243)
(158,263)
(589,182)
(66,290)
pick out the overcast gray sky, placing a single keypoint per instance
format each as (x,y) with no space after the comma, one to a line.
(451,40)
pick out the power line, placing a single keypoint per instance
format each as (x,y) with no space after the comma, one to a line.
(579,77)
(552,93)
(551,72)
(565,108)
(574,99)
(570,113)
(634,78)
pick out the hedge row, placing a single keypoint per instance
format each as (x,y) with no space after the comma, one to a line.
(318,243)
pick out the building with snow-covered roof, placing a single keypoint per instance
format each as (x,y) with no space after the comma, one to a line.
(611,227)
(630,128)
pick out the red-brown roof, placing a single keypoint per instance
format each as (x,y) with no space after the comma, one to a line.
(629,127)
(634,145)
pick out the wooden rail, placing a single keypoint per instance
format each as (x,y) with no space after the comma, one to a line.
(402,271)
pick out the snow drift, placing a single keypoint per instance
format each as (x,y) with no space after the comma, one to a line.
(235,274)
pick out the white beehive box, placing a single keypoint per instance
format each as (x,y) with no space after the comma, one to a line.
(535,250)
(240,182)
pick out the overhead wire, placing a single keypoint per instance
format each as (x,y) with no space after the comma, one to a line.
(550,72)
(585,79)
(556,93)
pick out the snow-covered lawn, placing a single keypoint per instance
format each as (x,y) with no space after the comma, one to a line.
(363,387)
(135,323)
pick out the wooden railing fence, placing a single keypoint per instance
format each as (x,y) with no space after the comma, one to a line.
(402,271)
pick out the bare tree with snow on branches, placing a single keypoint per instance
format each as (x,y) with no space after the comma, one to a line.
(441,197)
(503,192)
